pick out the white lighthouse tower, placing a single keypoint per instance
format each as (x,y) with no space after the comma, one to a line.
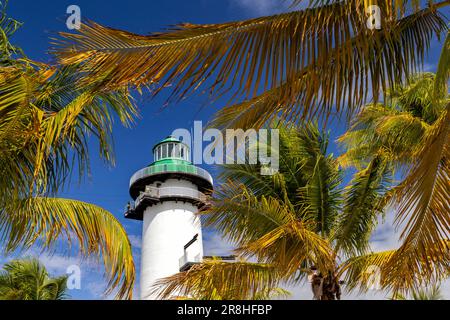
(167,195)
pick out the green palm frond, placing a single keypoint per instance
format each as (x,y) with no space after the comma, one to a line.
(443,70)
(268,229)
(303,160)
(418,97)
(361,209)
(321,193)
(361,141)
(28,280)
(8,27)
(44,119)
(413,133)
(96,232)
(45,123)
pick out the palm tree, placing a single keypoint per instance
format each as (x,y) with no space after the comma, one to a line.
(45,121)
(311,62)
(29,280)
(411,131)
(293,222)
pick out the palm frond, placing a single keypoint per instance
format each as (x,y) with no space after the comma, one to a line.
(45,220)
(443,70)
(361,207)
(433,293)
(321,193)
(317,91)
(382,129)
(376,271)
(323,55)
(266,228)
(424,208)
(289,247)
(365,272)
(214,280)
(236,214)
(43,119)
(8,27)
(418,97)
(29,280)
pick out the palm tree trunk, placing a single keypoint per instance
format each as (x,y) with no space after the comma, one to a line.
(325,288)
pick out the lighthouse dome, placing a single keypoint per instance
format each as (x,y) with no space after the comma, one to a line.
(171,148)
(171,161)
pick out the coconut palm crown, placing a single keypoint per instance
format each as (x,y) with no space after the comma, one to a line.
(29,280)
(45,122)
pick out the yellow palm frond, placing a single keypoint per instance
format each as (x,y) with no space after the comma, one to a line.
(327,84)
(214,280)
(96,231)
(269,229)
(424,207)
(365,272)
(43,119)
(322,55)
(237,214)
(290,246)
(382,129)
(388,271)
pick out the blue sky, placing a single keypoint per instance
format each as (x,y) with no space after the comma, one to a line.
(108,187)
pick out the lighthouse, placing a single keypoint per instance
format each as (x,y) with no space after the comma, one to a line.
(167,196)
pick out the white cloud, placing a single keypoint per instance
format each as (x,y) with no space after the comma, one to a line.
(97,289)
(215,245)
(58,264)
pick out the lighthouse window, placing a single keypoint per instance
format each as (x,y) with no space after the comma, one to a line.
(177,151)
(159,153)
(182,152)
(164,151)
(170,150)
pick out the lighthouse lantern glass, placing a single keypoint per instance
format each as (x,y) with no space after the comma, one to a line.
(174,150)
